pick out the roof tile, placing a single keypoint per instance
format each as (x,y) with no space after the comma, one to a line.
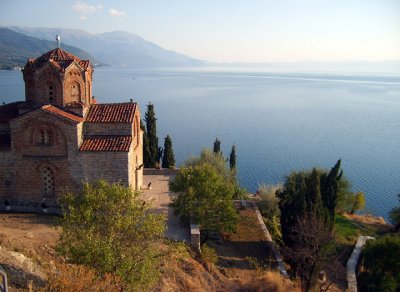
(59,58)
(60,112)
(106,143)
(111,113)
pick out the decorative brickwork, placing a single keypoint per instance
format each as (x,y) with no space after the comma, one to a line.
(58,137)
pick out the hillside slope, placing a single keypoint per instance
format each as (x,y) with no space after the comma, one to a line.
(115,48)
(16,48)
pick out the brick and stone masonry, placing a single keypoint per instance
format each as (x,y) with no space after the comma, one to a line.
(59,136)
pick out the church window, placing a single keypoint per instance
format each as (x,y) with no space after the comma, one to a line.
(75,92)
(51,94)
(48,181)
(45,137)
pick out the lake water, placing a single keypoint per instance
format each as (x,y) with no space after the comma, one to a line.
(278,121)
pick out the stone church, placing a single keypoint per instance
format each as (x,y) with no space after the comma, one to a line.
(59,136)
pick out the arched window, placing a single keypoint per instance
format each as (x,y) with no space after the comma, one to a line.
(48,181)
(51,93)
(75,92)
(45,137)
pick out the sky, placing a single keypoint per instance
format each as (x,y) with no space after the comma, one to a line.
(232,30)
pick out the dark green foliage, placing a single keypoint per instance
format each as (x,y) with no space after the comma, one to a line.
(108,228)
(232,158)
(330,191)
(217,146)
(306,192)
(307,205)
(168,158)
(395,217)
(151,127)
(146,147)
(160,152)
(204,197)
(310,235)
(381,262)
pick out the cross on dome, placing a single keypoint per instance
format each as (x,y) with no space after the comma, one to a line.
(58,38)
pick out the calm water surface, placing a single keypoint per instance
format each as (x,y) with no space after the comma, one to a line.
(279,122)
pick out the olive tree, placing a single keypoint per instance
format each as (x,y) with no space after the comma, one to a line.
(204,197)
(108,228)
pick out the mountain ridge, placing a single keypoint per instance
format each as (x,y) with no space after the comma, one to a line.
(17,48)
(118,48)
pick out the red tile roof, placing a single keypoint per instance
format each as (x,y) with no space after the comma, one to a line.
(58,58)
(111,113)
(60,112)
(106,143)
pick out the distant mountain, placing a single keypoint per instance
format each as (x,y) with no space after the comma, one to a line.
(16,48)
(115,48)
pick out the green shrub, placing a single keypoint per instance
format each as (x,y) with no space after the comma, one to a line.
(381,264)
(209,255)
(109,229)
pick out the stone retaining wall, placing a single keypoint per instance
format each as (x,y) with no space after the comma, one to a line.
(195,236)
(161,171)
(353,261)
(275,251)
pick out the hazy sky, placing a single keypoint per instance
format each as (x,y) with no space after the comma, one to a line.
(232,30)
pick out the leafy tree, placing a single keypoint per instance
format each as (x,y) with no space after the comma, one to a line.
(168,158)
(151,126)
(381,263)
(214,159)
(146,147)
(358,202)
(232,159)
(108,228)
(219,163)
(217,146)
(204,197)
(395,217)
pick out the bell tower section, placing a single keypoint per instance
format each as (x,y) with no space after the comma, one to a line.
(58,78)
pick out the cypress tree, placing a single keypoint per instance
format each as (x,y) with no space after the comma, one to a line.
(217,146)
(151,127)
(168,158)
(146,150)
(329,191)
(232,158)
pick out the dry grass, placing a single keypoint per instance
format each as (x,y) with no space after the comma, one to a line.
(270,281)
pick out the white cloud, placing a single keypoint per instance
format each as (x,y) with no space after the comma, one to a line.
(115,12)
(82,7)
(82,17)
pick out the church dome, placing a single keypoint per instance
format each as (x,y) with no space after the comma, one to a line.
(59,58)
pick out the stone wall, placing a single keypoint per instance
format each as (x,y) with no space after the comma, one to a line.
(275,251)
(161,171)
(353,262)
(7,174)
(195,236)
(110,166)
(36,173)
